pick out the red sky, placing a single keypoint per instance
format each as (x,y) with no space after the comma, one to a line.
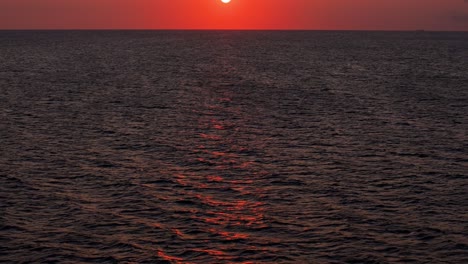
(239,14)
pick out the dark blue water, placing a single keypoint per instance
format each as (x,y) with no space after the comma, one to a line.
(233,147)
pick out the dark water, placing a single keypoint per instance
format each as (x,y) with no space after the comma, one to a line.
(233,147)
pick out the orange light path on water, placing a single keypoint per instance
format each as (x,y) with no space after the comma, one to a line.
(219,216)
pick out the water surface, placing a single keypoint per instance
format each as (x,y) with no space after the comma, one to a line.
(233,147)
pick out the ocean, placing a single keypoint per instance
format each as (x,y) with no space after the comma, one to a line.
(233,147)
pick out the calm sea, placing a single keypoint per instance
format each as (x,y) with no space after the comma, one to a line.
(233,147)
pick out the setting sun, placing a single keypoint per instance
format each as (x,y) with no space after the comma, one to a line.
(226,1)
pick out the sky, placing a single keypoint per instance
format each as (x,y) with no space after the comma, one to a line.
(239,14)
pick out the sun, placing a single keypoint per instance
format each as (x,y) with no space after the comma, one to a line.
(226,1)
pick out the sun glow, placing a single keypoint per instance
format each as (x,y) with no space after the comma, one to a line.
(226,1)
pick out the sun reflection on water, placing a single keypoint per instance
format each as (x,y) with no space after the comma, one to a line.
(225,192)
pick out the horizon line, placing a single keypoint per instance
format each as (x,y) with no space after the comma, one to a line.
(225,29)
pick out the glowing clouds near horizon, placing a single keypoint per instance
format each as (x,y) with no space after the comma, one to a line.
(226,1)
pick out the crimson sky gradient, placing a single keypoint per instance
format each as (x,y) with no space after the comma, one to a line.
(239,14)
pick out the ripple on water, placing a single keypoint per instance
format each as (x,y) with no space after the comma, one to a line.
(227,147)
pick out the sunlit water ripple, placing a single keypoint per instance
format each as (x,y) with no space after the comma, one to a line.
(233,147)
